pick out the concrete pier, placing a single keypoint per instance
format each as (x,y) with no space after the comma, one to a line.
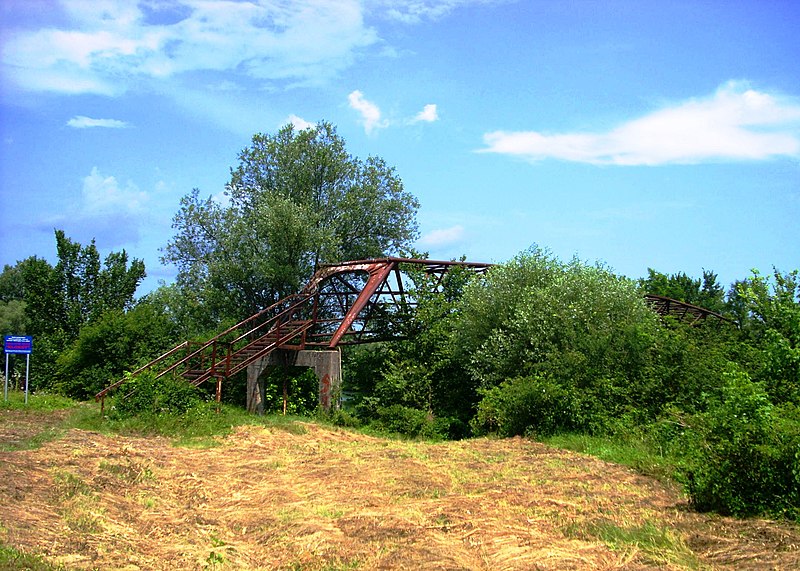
(326,364)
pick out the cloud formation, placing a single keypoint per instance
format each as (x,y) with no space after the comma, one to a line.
(443,237)
(736,123)
(111,212)
(370,113)
(83,122)
(299,123)
(421,10)
(106,47)
(103,194)
(429,114)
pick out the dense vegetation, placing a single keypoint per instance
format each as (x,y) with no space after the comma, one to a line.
(536,347)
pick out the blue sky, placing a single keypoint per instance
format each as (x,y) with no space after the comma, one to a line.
(635,133)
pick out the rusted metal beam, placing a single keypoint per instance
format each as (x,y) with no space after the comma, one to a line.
(666,306)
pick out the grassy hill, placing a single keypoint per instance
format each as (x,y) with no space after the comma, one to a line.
(299,495)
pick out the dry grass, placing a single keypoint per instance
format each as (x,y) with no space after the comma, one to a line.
(330,499)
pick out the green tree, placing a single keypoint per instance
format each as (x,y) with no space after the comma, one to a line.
(86,289)
(13,320)
(59,301)
(297,199)
(771,322)
(706,293)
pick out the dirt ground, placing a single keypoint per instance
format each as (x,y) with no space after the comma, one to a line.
(313,498)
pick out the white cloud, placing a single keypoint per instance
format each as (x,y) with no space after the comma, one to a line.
(429,114)
(735,123)
(443,237)
(112,213)
(370,113)
(103,194)
(83,122)
(420,10)
(299,123)
(105,47)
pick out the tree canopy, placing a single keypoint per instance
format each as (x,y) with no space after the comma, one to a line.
(297,199)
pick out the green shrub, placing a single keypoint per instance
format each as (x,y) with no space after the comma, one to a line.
(145,394)
(339,417)
(399,419)
(525,405)
(742,456)
(104,349)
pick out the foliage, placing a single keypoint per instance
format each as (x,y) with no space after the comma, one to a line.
(86,290)
(297,199)
(13,320)
(414,423)
(59,301)
(577,332)
(773,324)
(525,405)
(706,293)
(422,373)
(742,456)
(106,348)
(146,395)
(301,390)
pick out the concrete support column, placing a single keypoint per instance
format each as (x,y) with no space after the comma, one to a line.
(328,367)
(255,388)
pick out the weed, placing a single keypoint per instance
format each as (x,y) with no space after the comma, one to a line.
(130,471)
(655,545)
(214,560)
(628,450)
(329,512)
(36,401)
(14,559)
(68,486)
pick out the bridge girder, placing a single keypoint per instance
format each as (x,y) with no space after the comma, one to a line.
(364,291)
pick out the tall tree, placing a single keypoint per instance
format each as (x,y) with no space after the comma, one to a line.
(54,303)
(296,199)
(86,289)
(706,293)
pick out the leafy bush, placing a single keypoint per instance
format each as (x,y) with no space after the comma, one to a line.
(399,419)
(525,405)
(573,323)
(770,308)
(302,390)
(742,456)
(147,395)
(106,348)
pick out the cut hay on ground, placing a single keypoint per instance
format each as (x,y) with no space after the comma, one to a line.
(268,498)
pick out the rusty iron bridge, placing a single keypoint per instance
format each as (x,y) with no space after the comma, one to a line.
(359,301)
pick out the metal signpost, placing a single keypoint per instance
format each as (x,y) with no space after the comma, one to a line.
(20,345)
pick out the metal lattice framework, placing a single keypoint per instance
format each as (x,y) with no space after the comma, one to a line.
(369,300)
(682,311)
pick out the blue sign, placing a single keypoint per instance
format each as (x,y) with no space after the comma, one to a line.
(22,344)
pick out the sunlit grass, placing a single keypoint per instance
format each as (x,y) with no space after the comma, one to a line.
(629,451)
(14,559)
(653,543)
(36,401)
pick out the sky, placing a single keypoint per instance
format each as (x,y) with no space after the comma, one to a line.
(638,134)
